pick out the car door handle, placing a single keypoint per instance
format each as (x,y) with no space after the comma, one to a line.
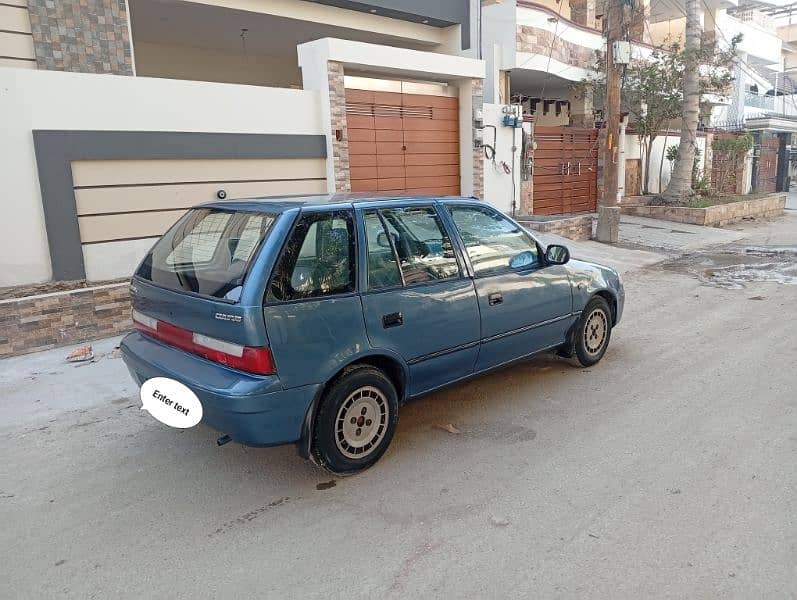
(495,298)
(392,320)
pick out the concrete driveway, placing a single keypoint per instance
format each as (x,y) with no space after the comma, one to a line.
(667,470)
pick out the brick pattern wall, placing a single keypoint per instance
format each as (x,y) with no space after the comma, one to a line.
(582,12)
(86,36)
(477,91)
(539,41)
(340,148)
(62,318)
(574,228)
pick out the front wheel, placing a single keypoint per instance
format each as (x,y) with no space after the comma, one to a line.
(593,332)
(356,421)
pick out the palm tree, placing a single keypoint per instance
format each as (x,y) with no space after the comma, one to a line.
(680,184)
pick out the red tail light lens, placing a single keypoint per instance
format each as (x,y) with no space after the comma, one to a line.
(251,359)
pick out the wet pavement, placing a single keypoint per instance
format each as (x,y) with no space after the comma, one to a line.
(735,267)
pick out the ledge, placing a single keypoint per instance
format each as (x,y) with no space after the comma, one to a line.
(717,215)
(387,59)
(574,227)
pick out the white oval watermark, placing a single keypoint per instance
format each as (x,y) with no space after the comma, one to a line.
(171,402)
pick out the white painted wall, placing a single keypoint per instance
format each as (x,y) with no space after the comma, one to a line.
(498,42)
(757,41)
(660,145)
(107,102)
(498,185)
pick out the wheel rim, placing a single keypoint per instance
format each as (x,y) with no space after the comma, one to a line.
(361,423)
(596,328)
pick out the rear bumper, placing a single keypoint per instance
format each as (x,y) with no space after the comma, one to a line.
(251,409)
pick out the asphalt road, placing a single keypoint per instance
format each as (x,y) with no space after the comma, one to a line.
(668,470)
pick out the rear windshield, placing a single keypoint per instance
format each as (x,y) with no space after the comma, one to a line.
(207,252)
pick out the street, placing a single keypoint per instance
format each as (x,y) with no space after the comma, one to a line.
(667,470)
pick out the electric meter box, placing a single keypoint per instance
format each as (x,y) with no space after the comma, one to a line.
(621,51)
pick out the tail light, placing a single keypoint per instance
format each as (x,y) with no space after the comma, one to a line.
(257,360)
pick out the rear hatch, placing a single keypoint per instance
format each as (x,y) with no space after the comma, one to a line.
(188,290)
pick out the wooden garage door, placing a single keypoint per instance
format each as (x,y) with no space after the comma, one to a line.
(403,142)
(565,170)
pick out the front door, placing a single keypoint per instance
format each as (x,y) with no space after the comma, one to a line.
(417,301)
(526,306)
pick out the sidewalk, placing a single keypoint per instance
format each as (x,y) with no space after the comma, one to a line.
(42,385)
(674,237)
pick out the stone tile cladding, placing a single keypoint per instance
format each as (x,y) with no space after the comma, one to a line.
(61,318)
(337,106)
(718,215)
(574,228)
(477,92)
(539,41)
(86,36)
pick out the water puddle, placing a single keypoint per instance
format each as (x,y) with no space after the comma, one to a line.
(733,269)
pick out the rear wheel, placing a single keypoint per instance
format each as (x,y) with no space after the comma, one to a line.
(356,420)
(593,332)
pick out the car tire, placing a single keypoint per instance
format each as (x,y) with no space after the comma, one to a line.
(356,420)
(593,332)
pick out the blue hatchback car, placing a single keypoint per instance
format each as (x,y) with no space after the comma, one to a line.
(310,320)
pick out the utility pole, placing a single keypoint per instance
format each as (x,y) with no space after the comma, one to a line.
(608,211)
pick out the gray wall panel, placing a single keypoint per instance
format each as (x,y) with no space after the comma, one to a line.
(55,151)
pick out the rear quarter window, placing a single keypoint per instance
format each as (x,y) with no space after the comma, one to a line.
(207,252)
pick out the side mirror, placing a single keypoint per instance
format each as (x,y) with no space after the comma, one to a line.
(383,241)
(522,260)
(557,255)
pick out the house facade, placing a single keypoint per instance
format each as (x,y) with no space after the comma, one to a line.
(119,114)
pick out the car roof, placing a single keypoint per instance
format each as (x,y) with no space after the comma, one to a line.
(278,204)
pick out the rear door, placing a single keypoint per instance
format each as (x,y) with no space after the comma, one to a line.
(312,311)
(417,299)
(526,305)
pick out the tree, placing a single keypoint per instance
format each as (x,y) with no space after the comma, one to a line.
(652,89)
(651,97)
(680,185)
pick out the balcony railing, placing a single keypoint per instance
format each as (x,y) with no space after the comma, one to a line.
(755,17)
(762,102)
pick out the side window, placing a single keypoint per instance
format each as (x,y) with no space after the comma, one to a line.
(493,241)
(424,250)
(318,259)
(383,270)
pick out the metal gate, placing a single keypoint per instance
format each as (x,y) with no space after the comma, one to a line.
(565,176)
(765,162)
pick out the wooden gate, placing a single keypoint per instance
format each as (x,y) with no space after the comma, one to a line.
(403,142)
(766,163)
(565,176)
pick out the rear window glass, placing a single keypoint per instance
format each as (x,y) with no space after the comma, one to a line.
(207,252)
